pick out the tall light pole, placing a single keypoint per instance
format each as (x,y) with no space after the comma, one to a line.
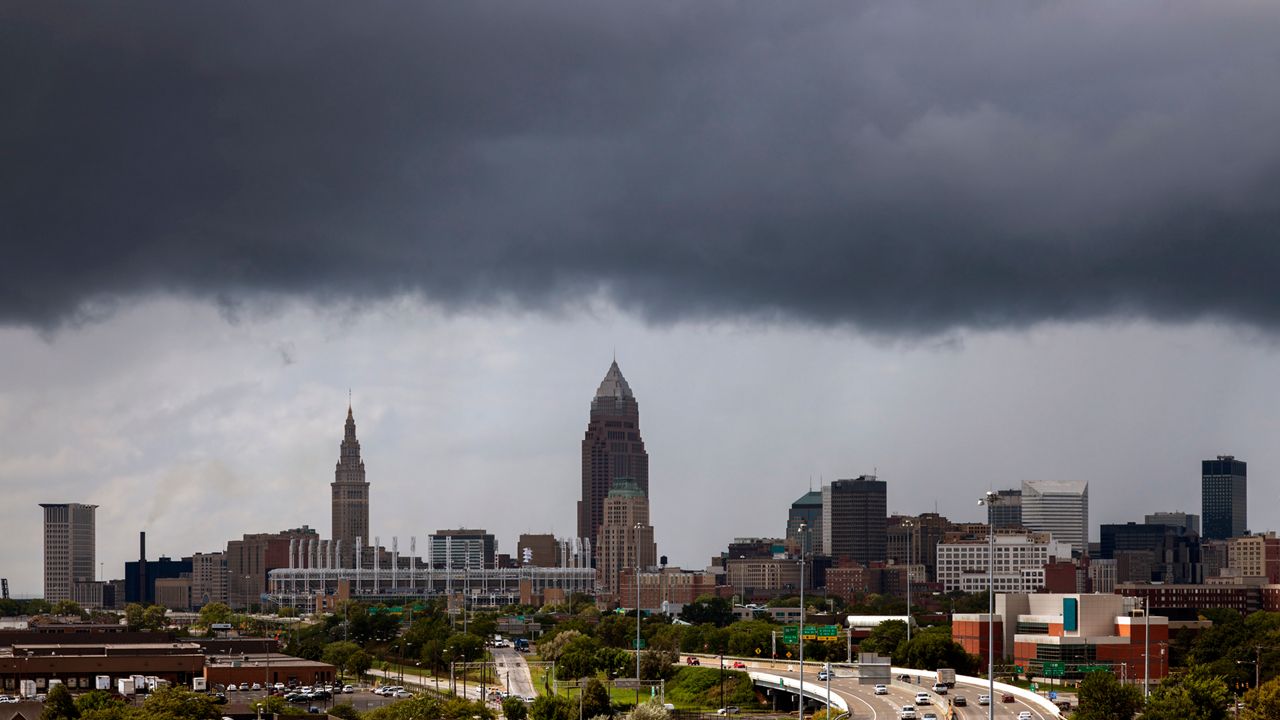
(804,530)
(637,615)
(910,526)
(1146,648)
(989,500)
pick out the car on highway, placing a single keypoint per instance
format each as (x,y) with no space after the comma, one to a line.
(940,688)
(731,710)
(1024,715)
(738,664)
(959,701)
(922,698)
(1006,698)
(984,699)
(824,675)
(882,690)
(907,712)
(929,716)
(691,660)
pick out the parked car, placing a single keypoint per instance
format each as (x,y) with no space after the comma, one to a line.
(402,694)
(1064,704)
(348,689)
(233,687)
(257,686)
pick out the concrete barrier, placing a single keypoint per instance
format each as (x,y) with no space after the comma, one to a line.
(814,691)
(1035,700)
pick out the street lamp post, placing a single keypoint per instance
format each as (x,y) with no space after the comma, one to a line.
(804,530)
(910,526)
(1146,648)
(989,500)
(638,615)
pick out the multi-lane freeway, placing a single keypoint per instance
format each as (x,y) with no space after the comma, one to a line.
(864,703)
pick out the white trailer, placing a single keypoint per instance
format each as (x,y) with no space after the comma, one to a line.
(101,682)
(124,686)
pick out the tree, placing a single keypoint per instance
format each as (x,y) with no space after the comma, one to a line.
(1102,697)
(338,654)
(464,647)
(276,705)
(174,702)
(885,637)
(154,617)
(360,662)
(553,647)
(345,710)
(595,700)
(97,700)
(1263,702)
(67,607)
(133,615)
(59,705)
(650,710)
(514,708)
(928,650)
(708,609)
(215,613)
(1195,695)
(658,664)
(551,707)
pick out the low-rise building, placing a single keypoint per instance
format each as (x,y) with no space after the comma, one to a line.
(1069,635)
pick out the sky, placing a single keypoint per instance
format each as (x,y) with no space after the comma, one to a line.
(959,246)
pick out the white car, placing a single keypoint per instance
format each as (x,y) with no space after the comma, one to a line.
(348,689)
(1024,715)
(257,686)
(232,688)
(984,699)
(907,713)
(279,687)
(922,698)
(882,690)
(402,694)
(940,688)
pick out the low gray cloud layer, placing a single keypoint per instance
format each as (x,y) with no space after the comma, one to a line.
(905,168)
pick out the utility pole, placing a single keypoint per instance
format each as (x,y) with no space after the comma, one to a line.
(804,530)
(990,499)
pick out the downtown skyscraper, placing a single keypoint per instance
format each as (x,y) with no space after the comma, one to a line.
(612,448)
(350,497)
(1224,497)
(70,542)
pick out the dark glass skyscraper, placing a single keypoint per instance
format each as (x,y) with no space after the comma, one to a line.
(350,496)
(612,448)
(855,519)
(1224,497)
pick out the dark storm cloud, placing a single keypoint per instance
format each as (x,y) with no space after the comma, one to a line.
(900,167)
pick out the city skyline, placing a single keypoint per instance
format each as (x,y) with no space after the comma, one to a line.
(956,247)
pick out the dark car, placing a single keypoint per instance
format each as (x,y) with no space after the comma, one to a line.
(1007,698)
(959,701)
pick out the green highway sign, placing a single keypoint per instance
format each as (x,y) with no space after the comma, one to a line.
(1092,668)
(1055,669)
(1019,669)
(790,634)
(638,643)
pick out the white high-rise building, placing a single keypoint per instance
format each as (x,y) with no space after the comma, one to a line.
(1058,508)
(69,548)
(1020,559)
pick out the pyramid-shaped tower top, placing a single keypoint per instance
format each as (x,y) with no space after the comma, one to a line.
(614,385)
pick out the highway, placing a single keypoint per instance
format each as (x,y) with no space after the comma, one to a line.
(864,703)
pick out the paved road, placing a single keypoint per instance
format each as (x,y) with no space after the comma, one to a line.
(864,703)
(513,672)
